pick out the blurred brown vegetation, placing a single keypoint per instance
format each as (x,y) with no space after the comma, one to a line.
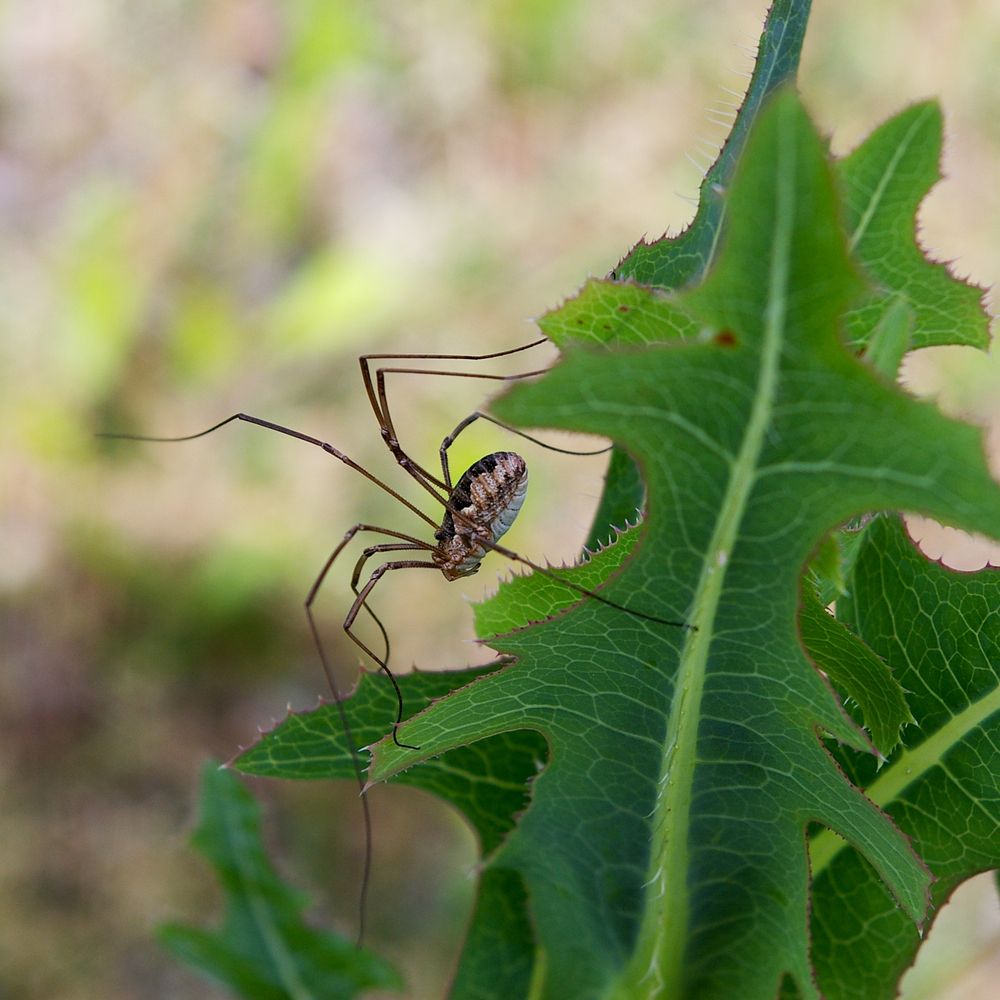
(216,205)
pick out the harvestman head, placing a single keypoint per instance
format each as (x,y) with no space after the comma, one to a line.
(478,511)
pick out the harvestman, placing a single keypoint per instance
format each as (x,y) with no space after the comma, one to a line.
(478,511)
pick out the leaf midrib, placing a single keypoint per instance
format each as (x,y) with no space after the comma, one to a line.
(656,967)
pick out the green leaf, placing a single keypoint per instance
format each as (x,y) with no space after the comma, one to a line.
(605,313)
(533,597)
(663,851)
(673,262)
(487,782)
(263,950)
(940,632)
(884,180)
(499,954)
(670,263)
(826,571)
(831,563)
(891,338)
(855,671)
(622,500)
(915,302)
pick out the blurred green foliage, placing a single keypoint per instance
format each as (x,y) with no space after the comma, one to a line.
(214,206)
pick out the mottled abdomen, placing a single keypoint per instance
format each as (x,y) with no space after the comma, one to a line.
(488,497)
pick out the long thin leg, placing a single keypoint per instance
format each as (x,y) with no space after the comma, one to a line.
(408,543)
(356,575)
(389,431)
(381,409)
(326,446)
(380,404)
(356,607)
(338,699)
(512,555)
(462,519)
(367,376)
(479,415)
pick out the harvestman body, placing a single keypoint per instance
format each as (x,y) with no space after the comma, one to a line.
(478,511)
(487,499)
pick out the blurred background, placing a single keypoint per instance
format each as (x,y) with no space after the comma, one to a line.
(217,205)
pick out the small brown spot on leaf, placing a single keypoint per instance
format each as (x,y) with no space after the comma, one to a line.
(623,309)
(725,338)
